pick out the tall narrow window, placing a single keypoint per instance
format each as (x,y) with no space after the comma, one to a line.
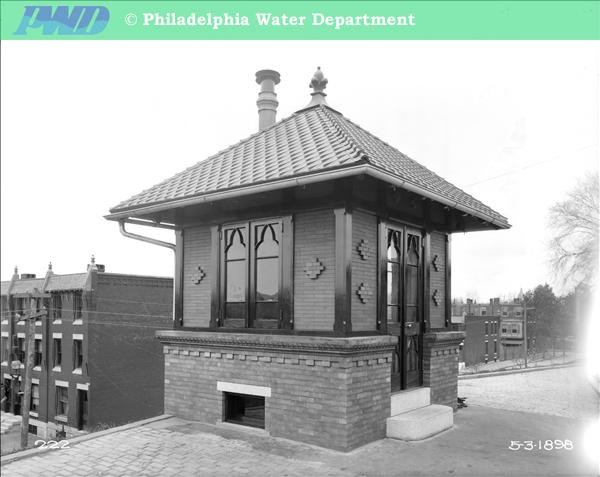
(57,353)
(266,275)
(394,277)
(77,354)
(21,349)
(37,355)
(236,271)
(35,397)
(56,306)
(77,305)
(4,349)
(62,401)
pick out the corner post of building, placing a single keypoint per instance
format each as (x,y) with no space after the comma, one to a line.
(448,284)
(178,281)
(215,301)
(343,270)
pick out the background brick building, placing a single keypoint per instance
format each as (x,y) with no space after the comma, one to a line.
(96,360)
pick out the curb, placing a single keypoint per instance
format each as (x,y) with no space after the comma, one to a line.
(15,456)
(516,371)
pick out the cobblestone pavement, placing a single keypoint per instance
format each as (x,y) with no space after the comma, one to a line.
(559,392)
(477,446)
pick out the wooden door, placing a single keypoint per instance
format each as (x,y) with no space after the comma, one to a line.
(403,248)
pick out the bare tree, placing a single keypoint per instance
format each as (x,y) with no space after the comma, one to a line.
(575,225)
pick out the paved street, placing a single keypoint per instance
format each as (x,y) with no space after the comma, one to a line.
(478,445)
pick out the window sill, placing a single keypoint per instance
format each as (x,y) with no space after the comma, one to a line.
(4,322)
(22,366)
(78,322)
(4,363)
(61,418)
(57,369)
(77,371)
(57,322)
(37,368)
(38,323)
(20,322)
(33,413)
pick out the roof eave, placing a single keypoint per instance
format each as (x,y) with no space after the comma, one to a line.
(332,174)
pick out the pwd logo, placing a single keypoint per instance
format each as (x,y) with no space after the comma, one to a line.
(63,20)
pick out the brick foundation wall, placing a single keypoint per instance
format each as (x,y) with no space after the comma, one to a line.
(331,392)
(440,366)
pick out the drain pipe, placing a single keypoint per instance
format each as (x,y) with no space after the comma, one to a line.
(152,241)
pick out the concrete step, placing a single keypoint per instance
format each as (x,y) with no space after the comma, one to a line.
(420,423)
(404,401)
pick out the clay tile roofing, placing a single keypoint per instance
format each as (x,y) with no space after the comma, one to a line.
(75,281)
(311,141)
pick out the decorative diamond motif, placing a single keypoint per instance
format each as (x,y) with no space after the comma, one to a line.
(436,267)
(365,249)
(198,276)
(364,292)
(313,269)
(435,298)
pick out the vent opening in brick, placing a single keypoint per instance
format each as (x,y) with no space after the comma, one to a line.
(244,409)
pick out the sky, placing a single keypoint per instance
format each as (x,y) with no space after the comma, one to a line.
(85,125)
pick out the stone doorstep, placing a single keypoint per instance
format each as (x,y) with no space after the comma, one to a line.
(420,423)
(405,401)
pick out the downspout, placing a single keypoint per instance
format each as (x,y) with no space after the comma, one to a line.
(152,241)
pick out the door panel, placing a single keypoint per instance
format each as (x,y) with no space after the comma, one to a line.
(404,285)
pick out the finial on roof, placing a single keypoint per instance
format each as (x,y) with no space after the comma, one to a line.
(318,83)
(16,270)
(49,266)
(93,260)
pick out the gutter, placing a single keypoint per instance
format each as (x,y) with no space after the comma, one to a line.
(366,169)
(152,241)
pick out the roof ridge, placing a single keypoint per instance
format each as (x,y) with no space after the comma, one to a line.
(364,131)
(358,151)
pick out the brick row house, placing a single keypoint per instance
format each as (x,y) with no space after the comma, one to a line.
(96,361)
(312,281)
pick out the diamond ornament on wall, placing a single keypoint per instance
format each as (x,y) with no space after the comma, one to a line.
(436,266)
(364,292)
(313,269)
(365,250)
(435,298)
(198,276)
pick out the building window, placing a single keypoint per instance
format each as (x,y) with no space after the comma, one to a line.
(251,277)
(495,346)
(486,328)
(505,313)
(20,309)
(77,305)
(483,312)
(21,349)
(57,353)
(35,397)
(486,348)
(518,313)
(56,306)
(504,330)
(77,354)
(62,401)
(37,353)
(82,409)
(5,349)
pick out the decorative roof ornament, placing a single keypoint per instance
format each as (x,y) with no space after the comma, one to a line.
(49,266)
(318,83)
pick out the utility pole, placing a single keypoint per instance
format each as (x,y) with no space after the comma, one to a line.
(26,403)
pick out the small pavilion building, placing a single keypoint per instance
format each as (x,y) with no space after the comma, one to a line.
(312,281)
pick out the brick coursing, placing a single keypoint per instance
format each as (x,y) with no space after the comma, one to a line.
(440,372)
(437,280)
(196,297)
(338,402)
(364,315)
(314,299)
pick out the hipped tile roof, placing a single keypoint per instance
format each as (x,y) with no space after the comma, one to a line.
(75,281)
(310,141)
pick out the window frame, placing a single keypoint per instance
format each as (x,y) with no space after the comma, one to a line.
(57,352)
(56,305)
(35,400)
(38,353)
(284,320)
(61,403)
(77,354)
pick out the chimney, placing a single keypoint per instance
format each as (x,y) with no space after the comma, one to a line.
(267,99)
